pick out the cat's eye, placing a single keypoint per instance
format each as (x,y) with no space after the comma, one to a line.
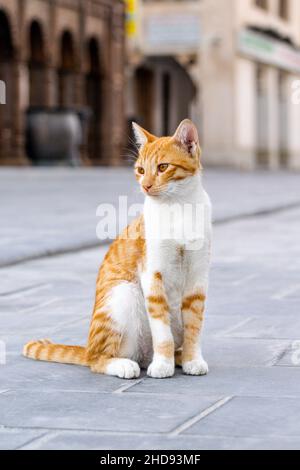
(163,167)
(140,170)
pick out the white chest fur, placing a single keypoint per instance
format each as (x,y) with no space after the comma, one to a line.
(178,232)
(181,218)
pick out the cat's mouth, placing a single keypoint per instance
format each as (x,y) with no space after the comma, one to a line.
(151,192)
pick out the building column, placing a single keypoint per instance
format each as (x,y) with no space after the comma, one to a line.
(157,102)
(176,99)
(245,121)
(273,117)
(79,81)
(117,88)
(51,86)
(293,116)
(4,140)
(80,103)
(130,93)
(21,101)
(118,124)
(106,123)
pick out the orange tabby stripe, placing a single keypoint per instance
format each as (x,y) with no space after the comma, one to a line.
(166,349)
(192,309)
(43,351)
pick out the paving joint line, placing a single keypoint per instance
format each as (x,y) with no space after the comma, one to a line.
(226,333)
(199,417)
(258,213)
(102,432)
(277,358)
(123,388)
(25,291)
(47,434)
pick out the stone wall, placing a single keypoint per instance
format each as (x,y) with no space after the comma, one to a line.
(63,53)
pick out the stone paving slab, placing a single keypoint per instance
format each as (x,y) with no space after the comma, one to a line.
(236,352)
(249,399)
(253,417)
(285,326)
(66,441)
(24,375)
(249,307)
(92,441)
(124,412)
(11,439)
(276,382)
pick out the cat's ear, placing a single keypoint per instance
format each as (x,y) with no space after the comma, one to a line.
(187,136)
(142,136)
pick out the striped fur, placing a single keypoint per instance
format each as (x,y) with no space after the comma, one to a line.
(150,295)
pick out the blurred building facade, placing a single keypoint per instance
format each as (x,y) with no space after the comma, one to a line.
(228,64)
(63,54)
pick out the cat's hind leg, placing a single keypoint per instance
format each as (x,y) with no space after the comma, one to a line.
(115,332)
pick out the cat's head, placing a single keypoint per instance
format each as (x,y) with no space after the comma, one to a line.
(165,165)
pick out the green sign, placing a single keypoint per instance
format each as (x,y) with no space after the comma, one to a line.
(269,51)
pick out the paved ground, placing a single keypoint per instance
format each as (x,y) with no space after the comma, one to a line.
(250,399)
(46,211)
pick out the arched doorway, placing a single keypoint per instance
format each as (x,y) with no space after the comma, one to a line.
(160,103)
(94,100)
(6,75)
(37,66)
(67,71)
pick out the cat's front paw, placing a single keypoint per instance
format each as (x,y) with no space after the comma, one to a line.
(195,367)
(161,369)
(123,368)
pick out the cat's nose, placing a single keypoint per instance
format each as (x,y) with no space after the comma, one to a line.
(147,187)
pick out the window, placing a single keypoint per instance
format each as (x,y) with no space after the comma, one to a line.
(284,9)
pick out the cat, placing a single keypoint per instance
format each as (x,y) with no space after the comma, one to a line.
(151,290)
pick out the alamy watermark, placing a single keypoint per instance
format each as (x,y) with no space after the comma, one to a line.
(184,223)
(296,92)
(2,92)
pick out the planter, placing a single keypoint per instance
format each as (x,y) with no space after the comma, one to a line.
(54,136)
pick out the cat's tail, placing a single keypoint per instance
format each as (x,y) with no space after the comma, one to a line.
(44,350)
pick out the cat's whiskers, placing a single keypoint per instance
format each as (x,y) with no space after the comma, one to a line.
(132,142)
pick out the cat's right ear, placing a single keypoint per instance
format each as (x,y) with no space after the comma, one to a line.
(142,136)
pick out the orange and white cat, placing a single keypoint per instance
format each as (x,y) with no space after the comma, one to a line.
(151,290)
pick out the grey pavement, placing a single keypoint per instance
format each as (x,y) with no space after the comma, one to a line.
(250,399)
(49,211)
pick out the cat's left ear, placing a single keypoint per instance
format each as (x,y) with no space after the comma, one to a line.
(142,136)
(187,136)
